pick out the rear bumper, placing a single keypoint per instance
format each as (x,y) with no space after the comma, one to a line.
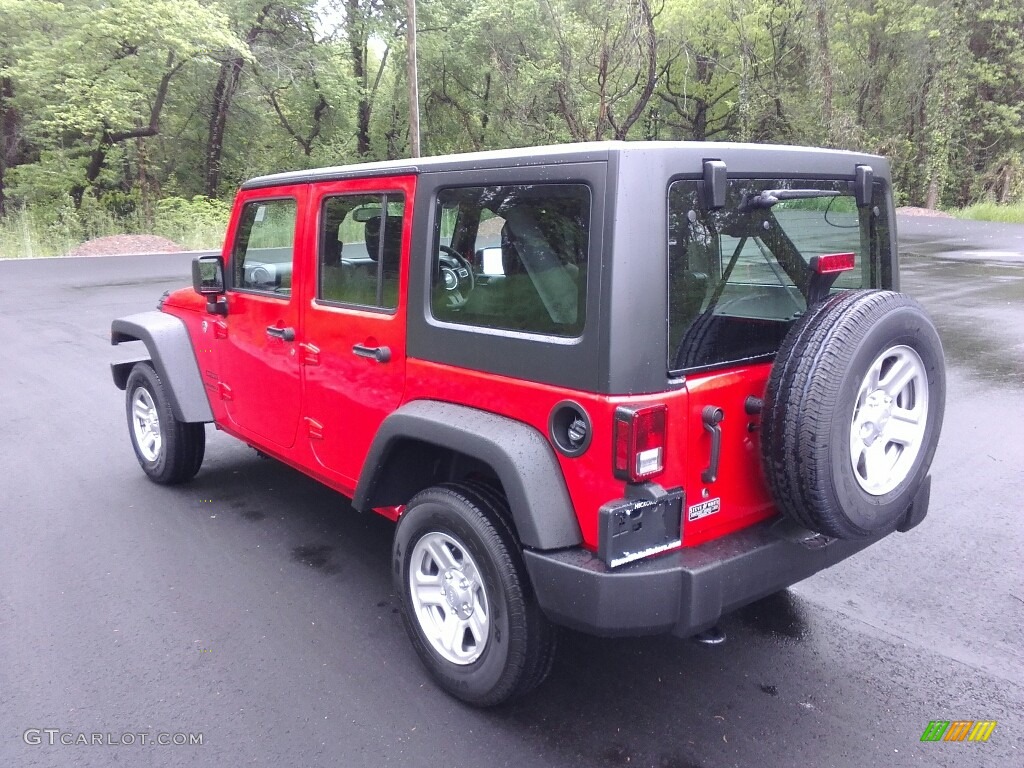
(683,592)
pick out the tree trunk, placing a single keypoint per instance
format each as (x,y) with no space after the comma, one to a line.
(700,120)
(650,48)
(485,116)
(933,193)
(357,45)
(825,65)
(8,136)
(414,82)
(223,94)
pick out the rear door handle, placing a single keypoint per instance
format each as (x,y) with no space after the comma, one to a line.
(380,354)
(712,416)
(285,334)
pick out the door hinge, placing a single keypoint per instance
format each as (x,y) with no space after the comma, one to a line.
(224,390)
(310,354)
(314,428)
(220,330)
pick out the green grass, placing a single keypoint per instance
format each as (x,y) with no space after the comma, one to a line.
(1007,214)
(23,235)
(196,224)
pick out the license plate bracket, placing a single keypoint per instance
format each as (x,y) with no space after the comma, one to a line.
(648,521)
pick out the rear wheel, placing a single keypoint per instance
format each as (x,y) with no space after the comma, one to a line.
(852,413)
(466,599)
(169,451)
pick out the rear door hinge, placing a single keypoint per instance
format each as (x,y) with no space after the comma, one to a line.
(314,428)
(310,354)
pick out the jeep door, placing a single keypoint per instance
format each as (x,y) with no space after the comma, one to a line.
(353,349)
(259,368)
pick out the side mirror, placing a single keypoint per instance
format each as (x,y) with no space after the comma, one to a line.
(490,261)
(208,281)
(208,275)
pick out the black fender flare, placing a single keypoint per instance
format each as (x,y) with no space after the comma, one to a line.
(170,349)
(520,456)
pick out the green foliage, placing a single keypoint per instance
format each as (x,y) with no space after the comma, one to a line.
(55,230)
(196,224)
(25,235)
(987,211)
(108,108)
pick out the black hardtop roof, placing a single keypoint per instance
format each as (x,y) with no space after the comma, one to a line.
(687,155)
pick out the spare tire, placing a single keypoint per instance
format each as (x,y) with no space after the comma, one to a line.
(852,413)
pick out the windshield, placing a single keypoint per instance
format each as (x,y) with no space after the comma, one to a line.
(739,276)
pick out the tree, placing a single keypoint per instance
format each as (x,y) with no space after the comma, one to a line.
(96,74)
(608,53)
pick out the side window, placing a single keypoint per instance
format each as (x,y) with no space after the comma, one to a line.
(360,250)
(513,257)
(262,256)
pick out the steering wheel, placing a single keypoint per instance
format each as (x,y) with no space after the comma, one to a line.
(456,275)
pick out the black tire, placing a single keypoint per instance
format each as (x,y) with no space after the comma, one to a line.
(538,667)
(520,642)
(816,472)
(717,338)
(182,446)
(699,343)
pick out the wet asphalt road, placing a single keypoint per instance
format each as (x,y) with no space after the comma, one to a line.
(254,607)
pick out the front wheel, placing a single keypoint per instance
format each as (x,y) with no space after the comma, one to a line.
(169,451)
(466,601)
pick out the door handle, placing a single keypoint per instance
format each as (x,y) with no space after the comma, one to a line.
(285,334)
(380,354)
(712,416)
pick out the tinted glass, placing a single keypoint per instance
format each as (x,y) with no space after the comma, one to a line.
(738,276)
(513,257)
(361,249)
(262,256)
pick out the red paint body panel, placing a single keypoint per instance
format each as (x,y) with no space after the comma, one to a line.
(350,396)
(262,371)
(740,484)
(589,477)
(189,307)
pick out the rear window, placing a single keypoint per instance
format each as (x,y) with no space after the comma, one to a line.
(738,276)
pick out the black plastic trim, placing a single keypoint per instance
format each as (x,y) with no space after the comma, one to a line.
(682,592)
(121,371)
(919,508)
(518,454)
(548,359)
(649,519)
(716,181)
(170,349)
(556,427)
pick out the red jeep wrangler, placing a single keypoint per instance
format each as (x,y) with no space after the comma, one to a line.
(619,387)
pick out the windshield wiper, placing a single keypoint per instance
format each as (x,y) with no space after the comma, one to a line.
(770,197)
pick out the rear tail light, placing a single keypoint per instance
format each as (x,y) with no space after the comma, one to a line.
(639,442)
(833,262)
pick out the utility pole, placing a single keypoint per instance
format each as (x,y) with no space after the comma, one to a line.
(414,83)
